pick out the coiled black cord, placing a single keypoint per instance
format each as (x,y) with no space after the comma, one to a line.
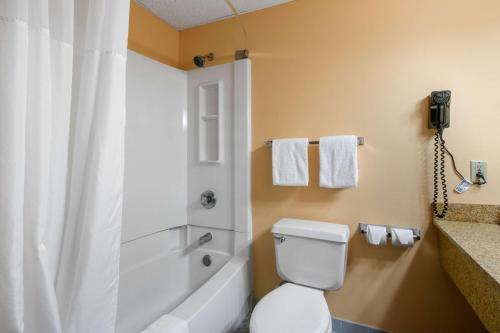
(435,174)
(439,172)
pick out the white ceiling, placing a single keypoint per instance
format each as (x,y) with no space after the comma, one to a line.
(183,14)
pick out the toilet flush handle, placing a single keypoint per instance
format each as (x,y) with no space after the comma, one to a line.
(281,239)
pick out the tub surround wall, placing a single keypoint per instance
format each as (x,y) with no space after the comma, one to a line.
(210,155)
(155,182)
(219,161)
(155,236)
(323,67)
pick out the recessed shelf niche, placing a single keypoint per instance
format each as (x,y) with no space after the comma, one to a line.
(209,110)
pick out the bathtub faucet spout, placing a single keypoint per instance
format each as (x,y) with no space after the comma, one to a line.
(205,238)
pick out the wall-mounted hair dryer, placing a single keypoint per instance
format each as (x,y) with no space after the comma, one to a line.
(439,109)
(439,119)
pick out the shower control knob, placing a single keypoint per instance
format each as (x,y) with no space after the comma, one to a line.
(208,199)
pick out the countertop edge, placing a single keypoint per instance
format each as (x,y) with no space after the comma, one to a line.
(464,251)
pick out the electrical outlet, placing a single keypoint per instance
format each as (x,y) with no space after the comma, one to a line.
(475,168)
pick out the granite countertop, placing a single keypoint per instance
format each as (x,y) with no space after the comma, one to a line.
(480,241)
(469,250)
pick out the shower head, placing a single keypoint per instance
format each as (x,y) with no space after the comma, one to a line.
(199,60)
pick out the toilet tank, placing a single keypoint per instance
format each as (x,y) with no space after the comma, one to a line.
(311,253)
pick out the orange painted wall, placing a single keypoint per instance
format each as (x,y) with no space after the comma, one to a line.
(152,37)
(326,67)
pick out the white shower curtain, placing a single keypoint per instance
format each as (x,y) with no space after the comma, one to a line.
(62,115)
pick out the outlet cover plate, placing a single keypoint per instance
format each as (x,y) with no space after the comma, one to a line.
(475,166)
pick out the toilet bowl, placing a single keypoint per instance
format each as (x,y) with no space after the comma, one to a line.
(312,257)
(292,309)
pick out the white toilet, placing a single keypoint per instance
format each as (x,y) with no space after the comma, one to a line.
(312,257)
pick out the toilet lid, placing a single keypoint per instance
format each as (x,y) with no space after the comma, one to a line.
(291,309)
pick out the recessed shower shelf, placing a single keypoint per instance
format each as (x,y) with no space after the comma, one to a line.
(210,98)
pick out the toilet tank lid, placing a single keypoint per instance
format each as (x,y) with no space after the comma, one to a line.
(312,229)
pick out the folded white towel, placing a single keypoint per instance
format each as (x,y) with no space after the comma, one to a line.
(168,324)
(338,158)
(290,166)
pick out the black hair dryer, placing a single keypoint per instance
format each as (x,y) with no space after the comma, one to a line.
(439,110)
(439,119)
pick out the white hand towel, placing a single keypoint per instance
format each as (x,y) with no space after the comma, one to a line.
(338,158)
(167,324)
(290,165)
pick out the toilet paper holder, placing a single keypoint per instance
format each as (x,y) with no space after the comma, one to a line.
(363,228)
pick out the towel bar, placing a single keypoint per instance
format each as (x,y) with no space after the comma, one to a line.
(361,141)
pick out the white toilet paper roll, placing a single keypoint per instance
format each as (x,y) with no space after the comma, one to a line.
(376,235)
(402,237)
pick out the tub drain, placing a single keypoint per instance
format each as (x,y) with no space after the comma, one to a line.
(207,260)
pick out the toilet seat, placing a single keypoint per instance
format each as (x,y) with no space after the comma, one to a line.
(291,309)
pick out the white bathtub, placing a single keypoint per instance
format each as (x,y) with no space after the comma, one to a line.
(160,274)
(220,304)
